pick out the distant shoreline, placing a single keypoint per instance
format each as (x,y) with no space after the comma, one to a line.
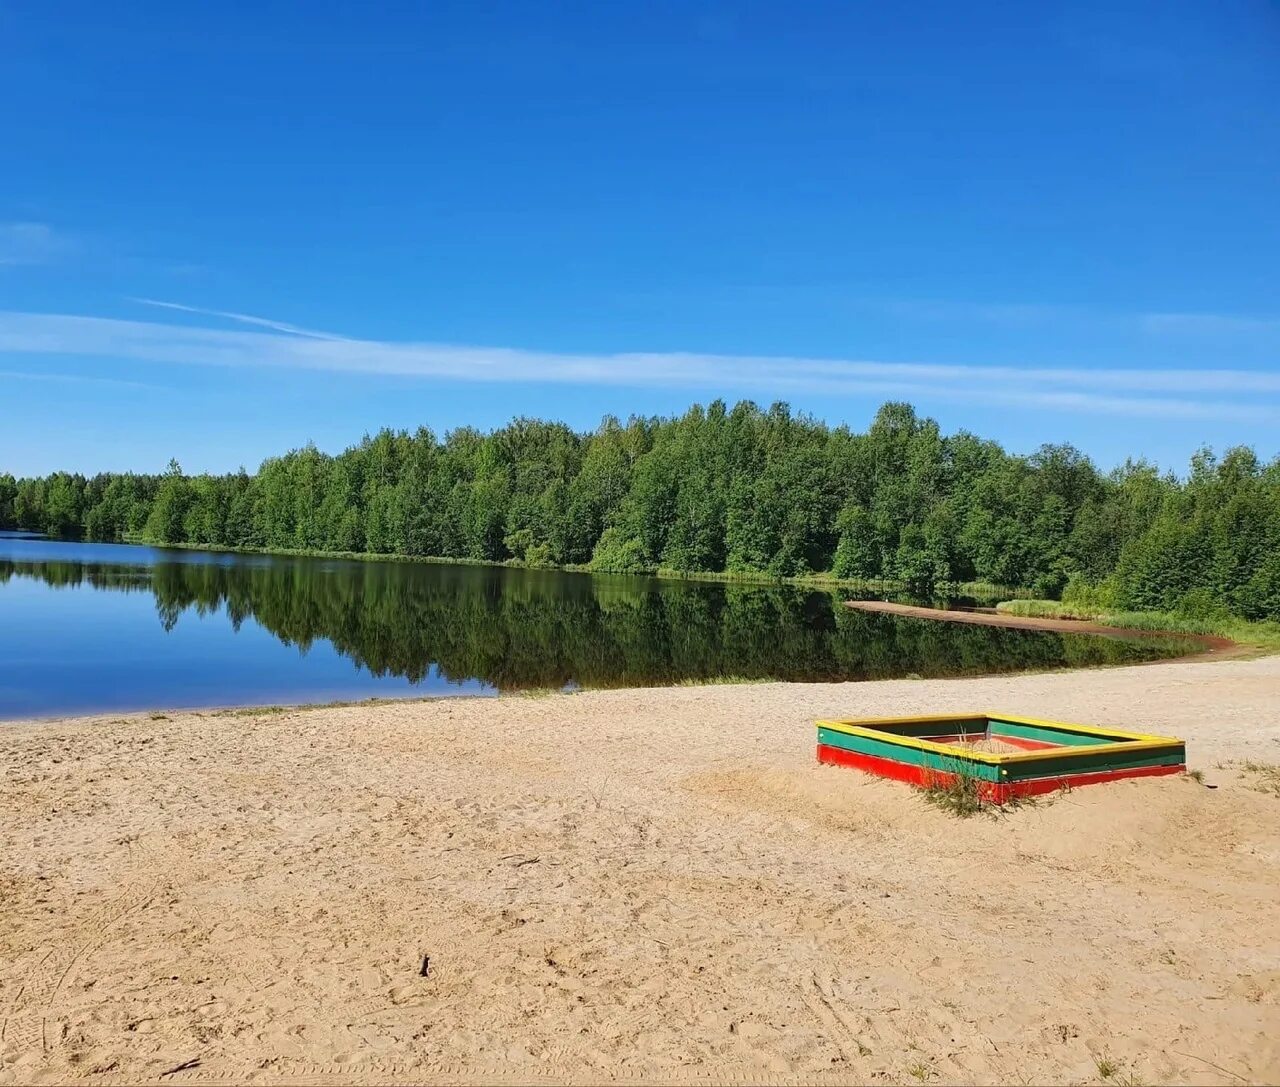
(1213,647)
(817,582)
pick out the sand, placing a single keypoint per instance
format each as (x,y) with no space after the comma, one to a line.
(636,885)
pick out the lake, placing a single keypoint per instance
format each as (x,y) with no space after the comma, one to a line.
(91,628)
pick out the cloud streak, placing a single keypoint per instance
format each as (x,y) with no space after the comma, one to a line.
(1209,324)
(32,243)
(75,379)
(243,318)
(1243,395)
(1173,326)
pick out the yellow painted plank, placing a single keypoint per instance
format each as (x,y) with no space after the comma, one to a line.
(1066,726)
(910,741)
(1088,730)
(1139,742)
(1121,747)
(922,720)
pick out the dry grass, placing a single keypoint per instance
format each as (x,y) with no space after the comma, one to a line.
(1267,776)
(272,710)
(720,681)
(958,795)
(953,790)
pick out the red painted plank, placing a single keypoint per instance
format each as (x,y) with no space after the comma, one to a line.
(997,792)
(901,771)
(872,764)
(1041,786)
(974,737)
(1023,742)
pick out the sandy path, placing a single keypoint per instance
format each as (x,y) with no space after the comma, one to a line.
(632,884)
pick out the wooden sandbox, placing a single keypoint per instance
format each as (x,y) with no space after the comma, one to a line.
(1007,755)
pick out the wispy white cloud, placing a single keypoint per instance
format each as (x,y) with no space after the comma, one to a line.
(243,318)
(1246,395)
(1022,315)
(1003,314)
(75,379)
(32,243)
(1209,324)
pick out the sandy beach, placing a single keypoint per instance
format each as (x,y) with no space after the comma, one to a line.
(636,885)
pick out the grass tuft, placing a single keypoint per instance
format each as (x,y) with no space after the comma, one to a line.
(1268,776)
(1049,609)
(540,692)
(252,711)
(957,793)
(1107,1068)
(958,796)
(1109,1072)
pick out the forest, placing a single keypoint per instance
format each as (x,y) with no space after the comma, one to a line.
(741,490)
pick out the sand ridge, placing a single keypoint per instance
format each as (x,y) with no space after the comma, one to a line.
(654,885)
(1212,646)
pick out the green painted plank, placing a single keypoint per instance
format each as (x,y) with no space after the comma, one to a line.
(913,756)
(1047,735)
(921,729)
(1083,764)
(1054,764)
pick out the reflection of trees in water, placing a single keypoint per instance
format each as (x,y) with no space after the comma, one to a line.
(515,628)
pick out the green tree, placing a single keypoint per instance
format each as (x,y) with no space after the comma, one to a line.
(166,523)
(726,488)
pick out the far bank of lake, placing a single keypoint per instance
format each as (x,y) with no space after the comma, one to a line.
(91,628)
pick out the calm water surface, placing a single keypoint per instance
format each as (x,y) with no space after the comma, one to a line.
(89,628)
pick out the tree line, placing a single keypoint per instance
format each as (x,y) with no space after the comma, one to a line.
(719,489)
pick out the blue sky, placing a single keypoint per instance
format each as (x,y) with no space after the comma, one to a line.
(1036,222)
